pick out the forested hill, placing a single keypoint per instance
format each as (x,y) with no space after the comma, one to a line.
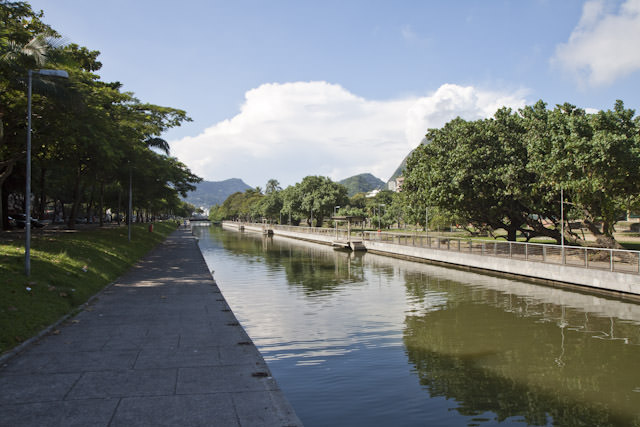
(209,193)
(400,170)
(362,183)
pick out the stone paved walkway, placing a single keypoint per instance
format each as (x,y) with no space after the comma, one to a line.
(160,347)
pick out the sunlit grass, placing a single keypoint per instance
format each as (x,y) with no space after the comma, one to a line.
(66,269)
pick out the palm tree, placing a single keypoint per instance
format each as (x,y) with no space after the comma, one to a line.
(158,143)
(272,186)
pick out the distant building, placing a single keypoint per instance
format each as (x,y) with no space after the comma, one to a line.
(396,184)
(372,193)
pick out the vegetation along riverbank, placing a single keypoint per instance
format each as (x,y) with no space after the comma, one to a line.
(67,268)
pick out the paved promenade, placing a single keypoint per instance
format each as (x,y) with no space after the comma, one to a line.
(160,347)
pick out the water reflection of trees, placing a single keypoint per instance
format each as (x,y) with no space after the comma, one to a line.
(518,357)
(317,269)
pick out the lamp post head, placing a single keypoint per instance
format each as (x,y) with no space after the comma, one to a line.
(53,73)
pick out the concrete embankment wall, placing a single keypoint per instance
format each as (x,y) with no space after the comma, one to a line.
(599,280)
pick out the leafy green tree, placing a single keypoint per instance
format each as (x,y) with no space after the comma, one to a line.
(25,43)
(319,196)
(478,172)
(271,205)
(507,172)
(292,204)
(87,143)
(594,158)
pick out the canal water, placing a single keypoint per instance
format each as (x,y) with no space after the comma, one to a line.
(361,339)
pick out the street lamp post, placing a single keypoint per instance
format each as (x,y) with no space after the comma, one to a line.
(27,195)
(426,222)
(379,214)
(562,223)
(130,203)
(335,209)
(562,218)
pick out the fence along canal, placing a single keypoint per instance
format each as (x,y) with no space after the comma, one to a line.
(598,268)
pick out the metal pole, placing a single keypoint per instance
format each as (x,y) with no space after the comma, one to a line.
(27,192)
(562,222)
(130,203)
(27,201)
(562,217)
(426,221)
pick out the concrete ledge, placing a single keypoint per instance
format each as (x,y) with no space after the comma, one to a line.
(599,280)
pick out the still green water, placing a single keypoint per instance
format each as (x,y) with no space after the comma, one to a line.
(361,339)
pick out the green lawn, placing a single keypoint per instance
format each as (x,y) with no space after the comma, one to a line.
(66,270)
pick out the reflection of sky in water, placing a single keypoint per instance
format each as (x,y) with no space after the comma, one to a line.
(371,340)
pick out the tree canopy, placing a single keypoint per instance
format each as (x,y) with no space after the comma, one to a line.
(89,138)
(506,172)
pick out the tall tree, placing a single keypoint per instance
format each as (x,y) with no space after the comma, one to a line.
(319,195)
(594,158)
(475,170)
(25,43)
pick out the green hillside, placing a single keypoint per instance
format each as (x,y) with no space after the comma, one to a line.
(362,183)
(209,193)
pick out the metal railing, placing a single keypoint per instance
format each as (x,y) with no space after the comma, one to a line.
(618,260)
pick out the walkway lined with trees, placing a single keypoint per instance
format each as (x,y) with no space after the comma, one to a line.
(90,139)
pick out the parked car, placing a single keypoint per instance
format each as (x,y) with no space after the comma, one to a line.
(21,221)
(12,222)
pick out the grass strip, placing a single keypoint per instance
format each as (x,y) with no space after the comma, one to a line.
(67,268)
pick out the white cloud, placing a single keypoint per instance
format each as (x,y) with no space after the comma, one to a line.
(604,45)
(291,130)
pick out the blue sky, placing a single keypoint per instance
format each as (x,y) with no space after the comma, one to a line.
(285,89)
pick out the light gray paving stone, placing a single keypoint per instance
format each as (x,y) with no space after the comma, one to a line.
(86,413)
(193,411)
(231,378)
(29,388)
(64,343)
(131,382)
(151,358)
(71,361)
(244,352)
(165,341)
(258,409)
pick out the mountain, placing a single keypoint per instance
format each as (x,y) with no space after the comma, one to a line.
(209,193)
(400,170)
(362,183)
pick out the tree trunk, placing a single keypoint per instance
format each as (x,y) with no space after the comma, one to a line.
(4,194)
(90,206)
(4,206)
(602,240)
(101,206)
(55,211)
(62,214)
(118,213)
(43,195)
(77,194)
